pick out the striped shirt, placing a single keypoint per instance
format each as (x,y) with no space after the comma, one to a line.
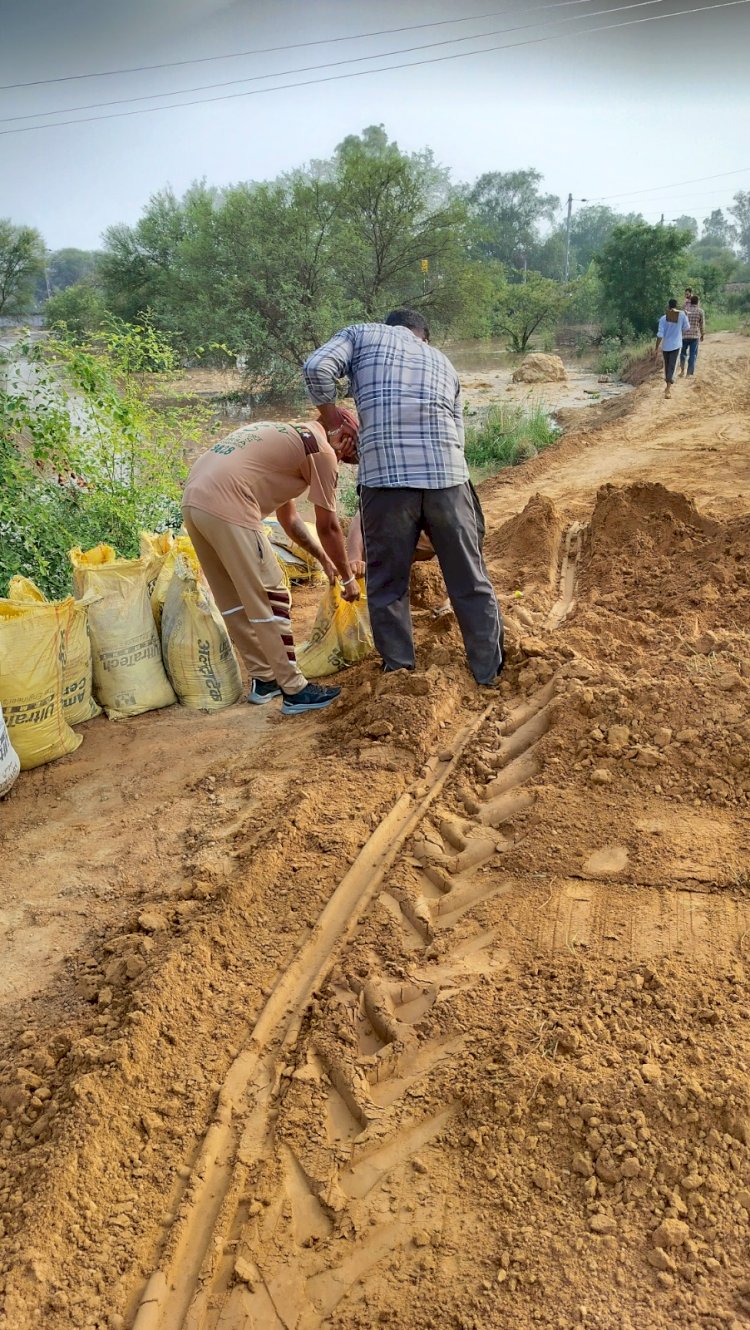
(408,399)
(697,322)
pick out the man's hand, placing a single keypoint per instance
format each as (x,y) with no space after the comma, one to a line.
(350,590)
(358,567)
(337,419)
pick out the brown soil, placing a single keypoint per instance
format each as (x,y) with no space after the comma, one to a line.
(431,1011)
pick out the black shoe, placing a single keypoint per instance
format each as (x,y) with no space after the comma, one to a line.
(311,698)
(263,690)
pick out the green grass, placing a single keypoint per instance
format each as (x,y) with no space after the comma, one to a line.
(507,436)
(729,321)
(616,358)
(347,491)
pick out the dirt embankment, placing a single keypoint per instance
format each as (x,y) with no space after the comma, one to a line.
(432,1013)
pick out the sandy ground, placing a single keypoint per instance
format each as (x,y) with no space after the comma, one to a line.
(432,1011)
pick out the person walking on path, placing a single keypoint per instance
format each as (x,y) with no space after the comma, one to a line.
(413,478)
(688,298)
(690,339)
(672,326)
(253,472)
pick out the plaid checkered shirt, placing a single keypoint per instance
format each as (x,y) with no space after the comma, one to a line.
(697,323)
(408,399)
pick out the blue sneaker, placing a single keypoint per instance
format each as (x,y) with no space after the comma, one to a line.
(310,698)
(263,690)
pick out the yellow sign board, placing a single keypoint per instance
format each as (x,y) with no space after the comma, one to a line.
(425,265)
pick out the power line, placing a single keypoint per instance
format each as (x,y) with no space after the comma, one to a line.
(384,69)
(306,69)
(269,50)
(651,189)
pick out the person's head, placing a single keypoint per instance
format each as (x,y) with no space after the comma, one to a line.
(672,304)
(695,300)
(409,318)
(688,292)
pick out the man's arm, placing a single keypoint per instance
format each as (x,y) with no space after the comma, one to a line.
(290,521)
(658,344)
(702,325)
(332,540)
(355,545)
(321,371)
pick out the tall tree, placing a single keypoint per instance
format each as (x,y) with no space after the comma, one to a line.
(525,308)
(639,268)
(22,255)
(717,229)
(508,209)
(396,210)
(68,267)
(591,228)
(740,211)
(688,224)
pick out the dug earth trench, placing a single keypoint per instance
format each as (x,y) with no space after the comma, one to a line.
(431,1011)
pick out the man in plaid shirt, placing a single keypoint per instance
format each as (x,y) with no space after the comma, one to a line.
(413,477)
(695,333)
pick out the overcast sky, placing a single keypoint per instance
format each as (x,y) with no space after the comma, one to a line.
(599,115)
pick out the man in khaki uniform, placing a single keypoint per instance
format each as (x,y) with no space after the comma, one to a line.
(255,471)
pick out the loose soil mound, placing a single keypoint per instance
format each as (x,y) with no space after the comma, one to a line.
(651,550)
(526,549)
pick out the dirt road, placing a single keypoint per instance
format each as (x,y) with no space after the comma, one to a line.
(432,1012)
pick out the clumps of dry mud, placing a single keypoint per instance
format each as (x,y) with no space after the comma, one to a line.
(606,1147)
(106,1093)
(649,549)
(660,693)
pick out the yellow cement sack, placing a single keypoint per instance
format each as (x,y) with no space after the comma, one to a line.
(181,547)
(197,651)
(297,564)
(341,635)
(129,675)
(155,547)
(32,650)
(77,665)
(10,762)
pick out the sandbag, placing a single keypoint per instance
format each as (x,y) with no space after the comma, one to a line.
(77,666)
(32,649)
(154,547)
(296,563)
(341,635)
(129,676)
(181,546)
(10,762)
(197,652)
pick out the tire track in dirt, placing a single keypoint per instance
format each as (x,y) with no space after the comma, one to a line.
(453,877)
(167,1296)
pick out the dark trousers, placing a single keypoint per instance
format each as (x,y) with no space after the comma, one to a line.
(392,520)
(689,350)
(670,364)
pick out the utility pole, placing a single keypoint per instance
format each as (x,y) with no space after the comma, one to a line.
(567,238)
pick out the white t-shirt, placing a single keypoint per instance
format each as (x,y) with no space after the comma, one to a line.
(671,333)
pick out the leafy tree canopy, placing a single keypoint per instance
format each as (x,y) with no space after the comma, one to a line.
(640,268)
(21,264)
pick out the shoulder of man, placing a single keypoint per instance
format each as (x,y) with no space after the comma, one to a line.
(314,439)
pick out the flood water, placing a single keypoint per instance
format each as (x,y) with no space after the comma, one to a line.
(471,358)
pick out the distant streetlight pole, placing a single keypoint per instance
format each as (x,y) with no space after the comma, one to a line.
(569,219)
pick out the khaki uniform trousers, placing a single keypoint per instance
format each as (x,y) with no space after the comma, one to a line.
(248,587)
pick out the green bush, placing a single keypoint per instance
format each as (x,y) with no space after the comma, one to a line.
(86,455)
(507,436)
